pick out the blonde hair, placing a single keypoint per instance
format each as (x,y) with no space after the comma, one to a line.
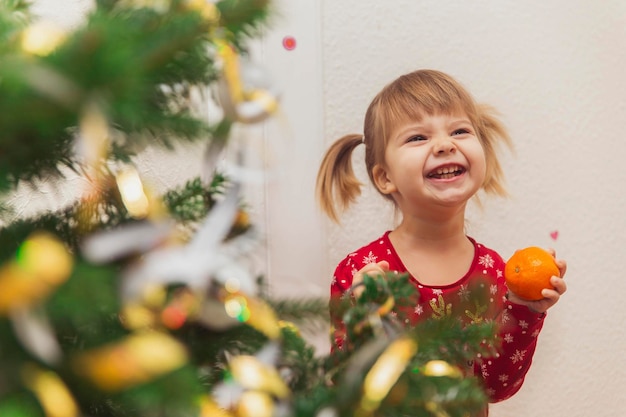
(411,96)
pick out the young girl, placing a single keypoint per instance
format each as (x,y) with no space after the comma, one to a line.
(429,148)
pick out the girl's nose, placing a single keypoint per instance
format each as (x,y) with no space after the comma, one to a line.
(444,145)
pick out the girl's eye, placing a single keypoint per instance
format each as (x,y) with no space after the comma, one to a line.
(462,131)
(416,138)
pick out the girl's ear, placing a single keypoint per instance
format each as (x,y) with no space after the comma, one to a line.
(382,181)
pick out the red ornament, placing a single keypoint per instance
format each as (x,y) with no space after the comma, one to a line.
(289,43)
(173,317)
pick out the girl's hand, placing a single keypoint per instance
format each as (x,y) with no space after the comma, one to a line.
(551,296)
(373,269)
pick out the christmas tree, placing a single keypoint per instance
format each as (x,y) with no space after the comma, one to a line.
(126,302)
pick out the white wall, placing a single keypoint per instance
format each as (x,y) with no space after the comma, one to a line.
(555,69)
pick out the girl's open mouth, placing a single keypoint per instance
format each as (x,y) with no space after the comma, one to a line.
(447,172)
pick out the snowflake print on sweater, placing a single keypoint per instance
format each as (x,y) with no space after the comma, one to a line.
(503,374)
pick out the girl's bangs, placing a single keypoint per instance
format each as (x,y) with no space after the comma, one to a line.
(400,108)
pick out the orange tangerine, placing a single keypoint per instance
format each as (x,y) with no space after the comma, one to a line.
(528,272)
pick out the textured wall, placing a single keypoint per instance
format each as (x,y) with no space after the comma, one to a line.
(555,70)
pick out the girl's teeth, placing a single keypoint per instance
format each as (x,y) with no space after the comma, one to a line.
(446,172)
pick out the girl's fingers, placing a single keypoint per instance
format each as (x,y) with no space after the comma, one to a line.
(561,264)
(379,268)
(550,294)
(370,269)
(559,284)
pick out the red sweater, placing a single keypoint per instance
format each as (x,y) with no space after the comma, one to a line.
(502,375)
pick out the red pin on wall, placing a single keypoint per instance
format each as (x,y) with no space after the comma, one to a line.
(289,43)
(554,234)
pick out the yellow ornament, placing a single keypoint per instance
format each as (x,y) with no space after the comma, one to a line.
(208,408)
(385,373)
(254,312)
(283,324)
(46,257)
(258,104)
(255,404)
(240,101)
(135,360)
(94,138)
(441,368)
(138,199)
(387,306)
(41,264)
(207,9)
(154,296)
(136,317)
(42,38)
(252,374)
(54,397)
(132,192)
(263,318)
(242,220)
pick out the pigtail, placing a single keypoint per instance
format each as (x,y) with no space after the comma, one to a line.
(493,134)
(337,186)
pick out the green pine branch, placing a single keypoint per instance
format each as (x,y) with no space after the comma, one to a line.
(138,64)
(377,318)
(187,204)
